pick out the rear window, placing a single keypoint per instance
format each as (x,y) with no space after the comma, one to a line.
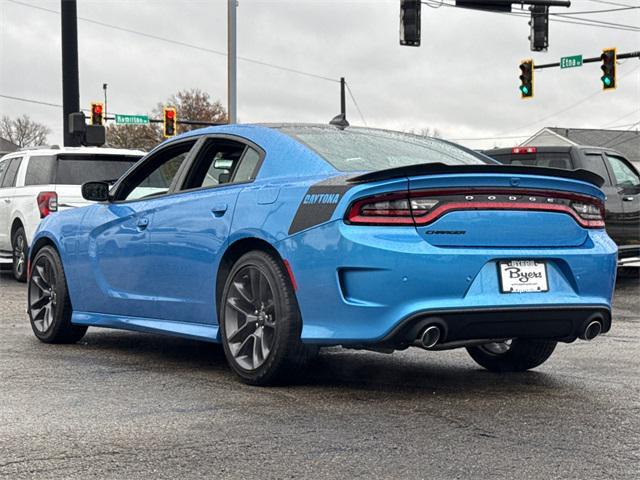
(76,169)
(540,159)
(356,150)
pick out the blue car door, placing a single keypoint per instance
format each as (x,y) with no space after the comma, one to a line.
(188,230)
(113,261)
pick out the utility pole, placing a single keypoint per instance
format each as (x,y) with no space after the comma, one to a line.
(232,107)
(70,82)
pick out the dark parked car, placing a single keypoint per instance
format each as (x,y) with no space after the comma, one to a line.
(621,185)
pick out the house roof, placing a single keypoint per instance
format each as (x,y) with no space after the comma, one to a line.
(626,142)
(6,146)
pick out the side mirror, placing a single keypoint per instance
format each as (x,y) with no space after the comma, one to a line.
(95,191)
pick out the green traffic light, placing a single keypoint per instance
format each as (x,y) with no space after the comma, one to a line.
(524,90)
(606,80)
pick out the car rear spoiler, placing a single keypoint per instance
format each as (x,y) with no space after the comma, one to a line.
(440,168)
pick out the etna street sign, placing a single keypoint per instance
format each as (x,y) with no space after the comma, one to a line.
(132,119)
(570,62)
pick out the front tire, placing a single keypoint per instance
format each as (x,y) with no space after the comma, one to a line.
(517,355)
(49,306)
(20,252)
(260,322)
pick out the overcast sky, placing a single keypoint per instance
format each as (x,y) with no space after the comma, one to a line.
(463,80)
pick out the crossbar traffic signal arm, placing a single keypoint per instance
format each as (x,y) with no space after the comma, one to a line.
(620,56)
(501,4)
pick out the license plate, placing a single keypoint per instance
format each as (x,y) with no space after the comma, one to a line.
(522,276)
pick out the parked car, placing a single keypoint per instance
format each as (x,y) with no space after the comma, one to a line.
(621,186)
(277,240)
(37,182)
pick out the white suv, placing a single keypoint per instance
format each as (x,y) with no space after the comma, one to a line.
(37,182)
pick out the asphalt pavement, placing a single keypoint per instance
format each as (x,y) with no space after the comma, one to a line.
(122,405)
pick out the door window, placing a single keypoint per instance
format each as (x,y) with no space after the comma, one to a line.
(220,162)
(624,175)
(10,175)
(155,175)
(3,168)
(595,163)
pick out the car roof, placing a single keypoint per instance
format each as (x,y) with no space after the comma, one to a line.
(56,150)
(549,149)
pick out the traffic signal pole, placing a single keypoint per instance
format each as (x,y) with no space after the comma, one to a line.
(232,6)
(70,82)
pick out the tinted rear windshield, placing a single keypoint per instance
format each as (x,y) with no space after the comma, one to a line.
(540,159)
(76,169)
(358,149)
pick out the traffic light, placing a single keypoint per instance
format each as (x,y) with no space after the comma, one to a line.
(608,68)
(539,23)
(410,22)
(526,79)
(97,113)
(170,121)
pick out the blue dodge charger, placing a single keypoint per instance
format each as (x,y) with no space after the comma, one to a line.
(275,240)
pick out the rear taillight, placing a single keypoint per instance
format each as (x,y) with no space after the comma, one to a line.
(47,203)
(520,150)
(424,207)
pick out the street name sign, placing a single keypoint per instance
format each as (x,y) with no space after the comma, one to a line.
(132,119)
(570,62)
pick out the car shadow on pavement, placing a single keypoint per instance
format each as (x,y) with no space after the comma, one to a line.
(413,370)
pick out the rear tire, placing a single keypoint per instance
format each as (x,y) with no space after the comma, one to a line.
(49,306)
(260,322)
(521,355)
(20,252)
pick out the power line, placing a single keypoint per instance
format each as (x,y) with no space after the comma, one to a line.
(604,2)
(183,44)
(594,11)
(28,100)
(478,139)
(577,21)
(636,110)
(356,104)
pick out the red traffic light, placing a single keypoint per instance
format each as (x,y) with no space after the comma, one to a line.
(170,114)
(97,109)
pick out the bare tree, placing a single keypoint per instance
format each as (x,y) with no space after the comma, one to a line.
(143,137)
(425,132)
(193,104)
(23,131)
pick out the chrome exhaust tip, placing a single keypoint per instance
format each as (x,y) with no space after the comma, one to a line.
(430,337)
(592,330)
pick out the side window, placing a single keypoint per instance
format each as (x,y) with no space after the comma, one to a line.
(155,175)
(595,163)
(40,170)
(222,161)
(247,170)
(625,177)
(3,168)
(10,175)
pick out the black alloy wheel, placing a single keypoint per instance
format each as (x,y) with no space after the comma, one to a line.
(260,321)
(49,306)
(20,252)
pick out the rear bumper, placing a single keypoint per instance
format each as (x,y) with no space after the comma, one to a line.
(562,323)
(359,285)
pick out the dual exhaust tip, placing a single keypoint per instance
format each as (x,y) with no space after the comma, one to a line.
(591,330)
(432,335)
